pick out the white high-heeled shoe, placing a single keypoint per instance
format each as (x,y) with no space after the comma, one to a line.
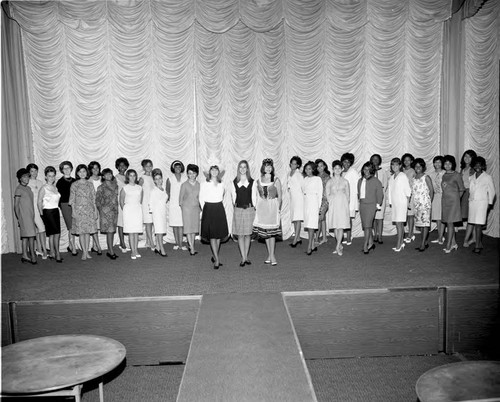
(454,247)
(397,250)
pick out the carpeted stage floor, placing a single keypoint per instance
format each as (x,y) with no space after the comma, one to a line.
(182,274)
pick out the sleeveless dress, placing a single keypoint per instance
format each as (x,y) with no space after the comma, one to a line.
(35,186)
(158,204)
(296,196)
(106,200)
(338,216)
(132,209)
(436,178)
(147,186)
(174,209)
(422,202)
(120,180)
(82,201)
(267,216)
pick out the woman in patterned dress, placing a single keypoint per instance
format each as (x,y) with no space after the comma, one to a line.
(267,201)
(174,183)
(96,179)
(189,201)
(131,204)
(147,184)
(107,204)
(25,214)
(337,191)
(436,178)
(324,175)
(84,211)
(121,164)
(158,204)
(295,180)
(408,160)
(36,185)
(423,194)
(453,189)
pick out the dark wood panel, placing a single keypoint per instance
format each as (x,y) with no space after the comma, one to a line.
(153,331)
(350,324)
(472,319)
(6,325)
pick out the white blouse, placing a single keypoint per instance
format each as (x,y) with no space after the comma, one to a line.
(211,192)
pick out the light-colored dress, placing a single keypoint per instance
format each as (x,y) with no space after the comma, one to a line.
(436,178)
(189,200)
(398,193)
(452,186)
(35,186)
(383,176)
(352,177)
(158,205)
(337,192)
(147,186)
(410,173)
(84,211)
(174,208)
(132,209)
(313,195)
(267,214)
(422,202)
(120,180)
(482,193)
(296,196)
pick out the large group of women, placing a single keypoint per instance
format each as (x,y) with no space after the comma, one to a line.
(97,200)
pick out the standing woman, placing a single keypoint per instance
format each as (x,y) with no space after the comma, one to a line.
(399,194)
(409,171)
(213,217)
(95,178)
(35,186)
(466,170)
(121,164)
(48,206)
(324,175)
(189,200)
(481,197)
(352,177)
(423,194)
(130,202)
(436,178)
(174,184)
(295,180)
(82,202)
(63,186)
(313,197)
(383,176)
(267,201)
(337,191)
(453,189)
(147,184)
(158,203)
(106,200)
(25,213)
(244,210)
(371,196)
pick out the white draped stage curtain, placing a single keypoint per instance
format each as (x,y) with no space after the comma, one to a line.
(227,79)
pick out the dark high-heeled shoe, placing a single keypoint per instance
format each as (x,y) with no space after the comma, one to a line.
(193,253)
(477,251)
(296,244)
(242,264)
(315,249)
(217,266)
(34,262)
(112,256)
(23,260)
(248,262)
(372,247)
(59,260)
(309,252)
(71,251)
(93,250)
(164,255)
(380,241)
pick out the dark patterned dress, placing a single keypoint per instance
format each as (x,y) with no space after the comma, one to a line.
(82,201)
(323,209)
(106,200)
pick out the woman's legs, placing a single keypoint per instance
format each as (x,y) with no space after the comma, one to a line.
(425,234)
(339,233)
(296,225)
(149,235)
(181,236)
(121,237)
(368,238)
(469,232)
(214,246)
(241,246)
(190,238)
(109,242)
(159,243)
(400,234)
(248,241)
(349,232)
(479,236)
(379,226)
(96,244)
(411,225)
(178,233)
(450,235)
(134,241)
(84,244)
(57,241)
(310,242)
(41,240)
(24,243)
(322,230)
(272,247)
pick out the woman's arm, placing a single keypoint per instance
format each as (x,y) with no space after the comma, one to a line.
(277,183)
(39,203)
(428,181)
(167,187)
(122,198)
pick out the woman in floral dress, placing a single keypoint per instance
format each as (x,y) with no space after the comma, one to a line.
(436,178)
(107,204)
(423,193)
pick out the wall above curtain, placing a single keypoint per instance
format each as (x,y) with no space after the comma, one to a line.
(230,79)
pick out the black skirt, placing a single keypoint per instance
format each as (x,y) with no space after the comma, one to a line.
(52,221)
(214,222)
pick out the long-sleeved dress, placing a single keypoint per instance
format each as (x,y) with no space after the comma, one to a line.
(369,198)
(106,200)
(313,196)
(397,195)
(436,178)
(82,202)
(158,206)
(296,196)
(452,186)
(337,193)
(482,193)
(189,201)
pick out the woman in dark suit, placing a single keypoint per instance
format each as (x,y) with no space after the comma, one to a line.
(371,195)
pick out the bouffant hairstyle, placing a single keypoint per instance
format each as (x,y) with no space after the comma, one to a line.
(193,168)
(472,155)
(94,164)
(421,162)
(120,161)
(297,160)
(49,169)
(156,172)
(480,160)
(174,164)
(376,156)
(318,161)
(313,166)
(144,162)
(438,158)
(65,163)
(347,157)
(31,166)
(451,159)
(127,176)
(105,172)
(335,163)
(372,167)
(412,159)
(22,172)
(80,167)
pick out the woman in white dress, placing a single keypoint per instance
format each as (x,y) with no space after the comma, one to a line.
(295,180)
(121,164)
(407,161)
(383,176)
(437,178)
(173,185)
(36,185)
(147,184)
(313,195)
(399,194)
(95,178)
(337,193)
(352,176)
(130,202)
(481,198)
(158,203)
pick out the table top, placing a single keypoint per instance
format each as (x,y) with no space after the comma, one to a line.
(54,362)
(462,381)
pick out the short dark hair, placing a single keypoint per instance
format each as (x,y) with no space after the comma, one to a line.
(49,169)
(106,171)
(336,162)
(31,166)
(296,159)
(347,157)
(193,168)
(64,163)
(469,152)
(122,160)
(80,167)
(438,158)
(480,160)
(451,159)
(22,172)
(314,168)
(318,161)
(156,172)
(91,166)
(412,159)
(127,176)
(144,162)
(376,156)
(421,162)
(373,170)
(177,162)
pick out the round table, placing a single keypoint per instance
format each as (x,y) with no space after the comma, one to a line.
(55,362)
(462,381)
